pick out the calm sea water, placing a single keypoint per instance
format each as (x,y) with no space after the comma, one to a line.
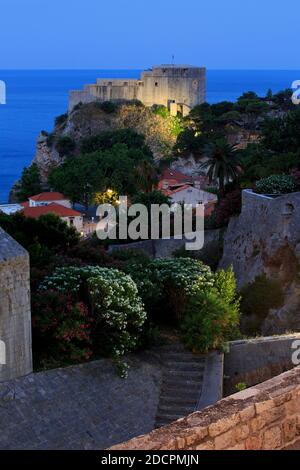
(34,98)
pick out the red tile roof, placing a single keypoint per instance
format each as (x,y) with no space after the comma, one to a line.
(48,196)
(168,174)
(52,208)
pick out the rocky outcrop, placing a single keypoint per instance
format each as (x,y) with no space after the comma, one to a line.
(46,156)
(90,119)
(265,239)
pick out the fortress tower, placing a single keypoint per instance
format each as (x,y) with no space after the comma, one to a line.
(178,87)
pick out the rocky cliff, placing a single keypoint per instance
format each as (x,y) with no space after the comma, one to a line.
(91,119)
(265,239)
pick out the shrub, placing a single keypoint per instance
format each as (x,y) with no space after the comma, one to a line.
(61,328)
(108,107)
(61,120)
(296,177)
(212,314)
(164,284)
(257,298)
(65,146)
(117,310)
(209,322)
(229,206)
(276,184)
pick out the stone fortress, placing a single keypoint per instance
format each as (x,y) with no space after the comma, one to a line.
(178,87)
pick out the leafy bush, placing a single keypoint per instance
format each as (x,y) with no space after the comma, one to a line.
(229,206)
(212,314)
(61,120)
(61,328)
(296,177)
(209,322)
(258,298)
(276,184)
(108,107)
(65,146)
(164,284)
(42,237)
(117,310)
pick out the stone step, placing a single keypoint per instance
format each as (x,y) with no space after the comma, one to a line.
(188,375)
(183,357)
(175,410)
(166,400)
(185,365)
(182,386)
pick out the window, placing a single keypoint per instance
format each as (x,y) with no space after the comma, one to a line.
(71,221)
(156,83)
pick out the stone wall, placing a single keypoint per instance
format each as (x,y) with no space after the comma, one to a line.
(179,88)
(255,360)
(165,248)
(265,239)
(265,417)
(15,315)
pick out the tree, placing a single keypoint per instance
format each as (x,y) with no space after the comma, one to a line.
(282,134)
(83,177)
(222,163)
(146,175)
(30,183)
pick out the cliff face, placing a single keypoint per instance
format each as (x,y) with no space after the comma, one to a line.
(90,119)
(265,239)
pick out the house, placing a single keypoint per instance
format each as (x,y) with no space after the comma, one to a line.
(187,194)
(44,199)
(173,179)
(73,218)
(10,209)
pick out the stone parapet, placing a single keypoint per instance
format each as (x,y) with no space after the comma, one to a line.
(263,417)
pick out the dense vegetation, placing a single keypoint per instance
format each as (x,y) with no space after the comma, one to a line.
(87,303)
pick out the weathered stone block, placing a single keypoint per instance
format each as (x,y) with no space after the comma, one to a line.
(272,438)
(15,314)
(289,429)
(224,424)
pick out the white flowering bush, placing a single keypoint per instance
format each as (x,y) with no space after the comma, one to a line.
(165,284)
(117,310)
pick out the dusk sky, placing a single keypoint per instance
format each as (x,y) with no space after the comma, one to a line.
(122,34)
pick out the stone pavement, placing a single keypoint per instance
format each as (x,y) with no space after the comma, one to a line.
(80,407)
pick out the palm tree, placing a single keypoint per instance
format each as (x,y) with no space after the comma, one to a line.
(146,175)
(222,163)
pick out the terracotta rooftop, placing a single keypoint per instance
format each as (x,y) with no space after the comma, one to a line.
(52,208)
(168,174)
(48,196)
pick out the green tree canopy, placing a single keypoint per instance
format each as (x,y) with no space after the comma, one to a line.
(30,183)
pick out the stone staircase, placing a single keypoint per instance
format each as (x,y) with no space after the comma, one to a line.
(181,385)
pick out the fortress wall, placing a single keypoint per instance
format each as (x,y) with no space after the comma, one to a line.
(15,315)
(264,417)
(163,85)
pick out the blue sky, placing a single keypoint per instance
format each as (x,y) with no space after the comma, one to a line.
(121,34)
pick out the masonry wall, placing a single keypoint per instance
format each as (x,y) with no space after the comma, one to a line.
(15,315)
(164,248)
(264,417)
(255,360)
(180,88)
